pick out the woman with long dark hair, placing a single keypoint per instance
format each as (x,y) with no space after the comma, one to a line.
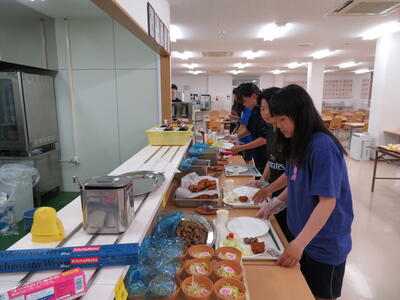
(318,196)
(260,130)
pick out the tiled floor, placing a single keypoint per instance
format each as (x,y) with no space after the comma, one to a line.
(373,267)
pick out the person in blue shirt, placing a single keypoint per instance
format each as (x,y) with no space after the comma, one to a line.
(318,196)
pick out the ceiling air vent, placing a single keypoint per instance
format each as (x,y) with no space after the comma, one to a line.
(217,54)
(366,8)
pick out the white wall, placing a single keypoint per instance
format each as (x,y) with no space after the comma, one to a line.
(115,88)
(267,81)
(220,86)
(192,84)
(138,10)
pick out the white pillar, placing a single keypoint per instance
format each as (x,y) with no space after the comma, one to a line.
(385,101)
(315,82)
(278,80)
(266,81)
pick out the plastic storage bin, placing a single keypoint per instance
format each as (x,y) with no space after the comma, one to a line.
(158,137)
(28,219)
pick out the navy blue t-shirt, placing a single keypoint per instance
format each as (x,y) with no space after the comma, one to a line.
(323,173)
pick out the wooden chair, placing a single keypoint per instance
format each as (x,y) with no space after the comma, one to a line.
(335,124)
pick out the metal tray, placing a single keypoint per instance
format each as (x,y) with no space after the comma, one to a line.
(209,225)
(145,181)
(251,171)
(194,202)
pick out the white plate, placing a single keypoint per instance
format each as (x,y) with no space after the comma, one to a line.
(248,227)
(248,191)
(243,245)
(236,169)
(227,145)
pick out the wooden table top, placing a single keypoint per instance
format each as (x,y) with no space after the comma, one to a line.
(265,279)
(393,132)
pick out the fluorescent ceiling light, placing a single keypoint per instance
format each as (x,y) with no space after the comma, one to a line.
(295,65)
(242,66)
(235,72)
(329,71)
(273,31)
(176,33)
(191,66)
(182,55)
(362,71)
(322,53)
(348,64)
(276,72)
(195,72)
(381,30)
(252,54)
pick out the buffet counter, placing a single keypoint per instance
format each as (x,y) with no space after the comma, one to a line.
(264,278)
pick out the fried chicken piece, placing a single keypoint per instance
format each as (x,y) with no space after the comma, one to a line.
(258,247)
(192,188)
(243,198)
(212,187)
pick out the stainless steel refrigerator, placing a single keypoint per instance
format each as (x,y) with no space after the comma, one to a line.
(28,126)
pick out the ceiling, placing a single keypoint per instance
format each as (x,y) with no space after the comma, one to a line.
(234,25)
(65,8)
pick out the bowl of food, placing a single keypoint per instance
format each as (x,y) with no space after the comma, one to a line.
(229,288)
(228,269)
(181,268)
(228,254)
(197,288)
(201,251)
(199,267)
(183,255)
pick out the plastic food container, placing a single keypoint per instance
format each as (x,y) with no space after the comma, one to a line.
(202,272)
(205,251)
(228,282)
(156,136)
(229,267)
(204,281)
(232,254)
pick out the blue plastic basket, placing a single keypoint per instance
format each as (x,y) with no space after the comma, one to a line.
(28,219)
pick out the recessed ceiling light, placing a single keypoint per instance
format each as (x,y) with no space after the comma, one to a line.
(276,72)
(295,65)
(348,64)
(242,66)
(272,31)
(175,33)
(381,30)
(182,55)
(323,53)
(191,66)
(252,54)
(235,72)
(362,71)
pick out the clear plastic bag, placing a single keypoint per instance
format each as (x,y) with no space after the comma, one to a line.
(14,174)
(155,274)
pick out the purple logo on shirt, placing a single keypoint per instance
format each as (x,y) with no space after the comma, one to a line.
(293,177)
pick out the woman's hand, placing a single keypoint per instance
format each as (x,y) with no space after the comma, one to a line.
(292,255)
(236,149)
(231,138)
(261,195)
(256,183)
(265,212)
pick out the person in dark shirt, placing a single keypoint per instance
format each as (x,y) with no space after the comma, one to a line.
(276,163)
(236,111)
(260,130)
(174,90)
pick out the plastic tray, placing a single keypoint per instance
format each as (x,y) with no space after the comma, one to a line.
(168,138)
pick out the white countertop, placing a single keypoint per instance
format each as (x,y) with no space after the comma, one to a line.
(166,160)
